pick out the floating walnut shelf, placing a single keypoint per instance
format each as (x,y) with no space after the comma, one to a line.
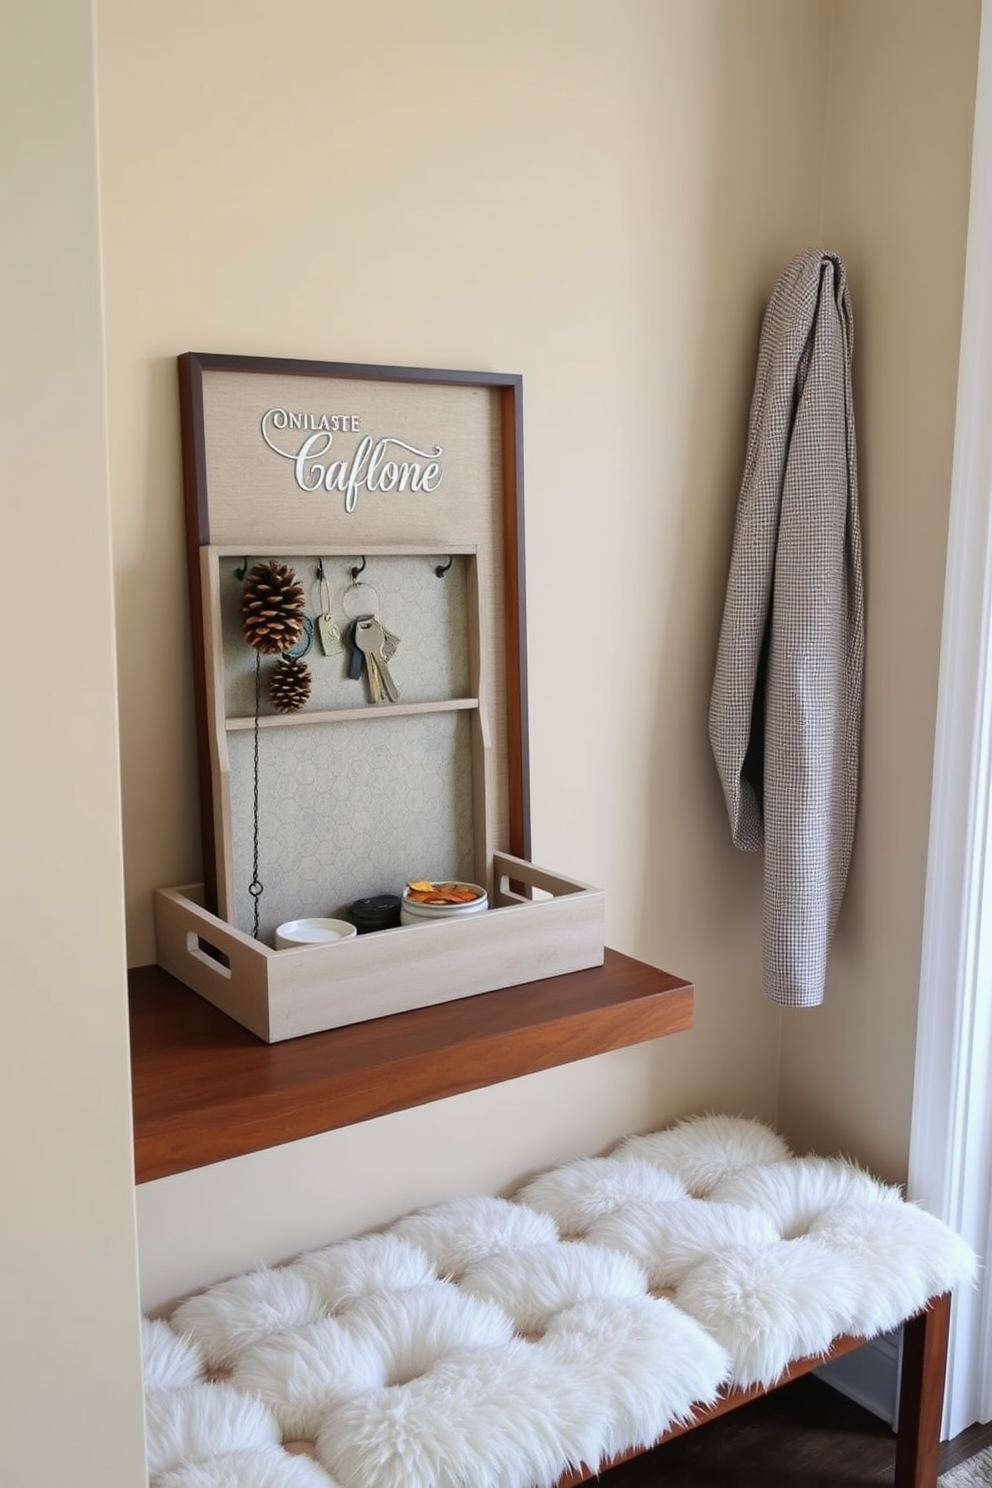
(205,1089)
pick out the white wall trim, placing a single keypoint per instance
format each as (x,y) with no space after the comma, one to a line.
(950,1162)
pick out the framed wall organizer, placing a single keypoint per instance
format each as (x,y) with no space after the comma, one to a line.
(355,560)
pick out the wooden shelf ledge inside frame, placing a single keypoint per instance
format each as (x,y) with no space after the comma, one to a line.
(353,715)
(204,1089)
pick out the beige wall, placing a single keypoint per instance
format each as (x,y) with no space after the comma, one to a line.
(896,198)
(598,196)
(70,1404)
(590,195)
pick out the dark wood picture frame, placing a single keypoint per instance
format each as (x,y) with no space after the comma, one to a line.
(193,367)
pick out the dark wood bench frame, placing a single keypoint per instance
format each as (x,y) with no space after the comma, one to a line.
(921,1399)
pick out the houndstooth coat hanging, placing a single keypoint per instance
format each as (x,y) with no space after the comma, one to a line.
(785,712)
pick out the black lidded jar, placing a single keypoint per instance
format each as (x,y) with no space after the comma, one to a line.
(377,912)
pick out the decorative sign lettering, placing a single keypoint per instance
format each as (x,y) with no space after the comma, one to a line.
(381,463)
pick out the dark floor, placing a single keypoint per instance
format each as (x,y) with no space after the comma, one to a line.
(806,1435)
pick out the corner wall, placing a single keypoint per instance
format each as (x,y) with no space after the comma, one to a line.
(71,1405)
(896,189)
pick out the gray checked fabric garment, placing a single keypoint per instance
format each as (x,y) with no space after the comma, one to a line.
(785,712)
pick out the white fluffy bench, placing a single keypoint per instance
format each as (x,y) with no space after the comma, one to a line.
(533,1341)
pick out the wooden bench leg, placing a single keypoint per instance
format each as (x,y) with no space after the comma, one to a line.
(921,1397)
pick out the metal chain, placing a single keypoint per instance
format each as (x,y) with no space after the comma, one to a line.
(255,888)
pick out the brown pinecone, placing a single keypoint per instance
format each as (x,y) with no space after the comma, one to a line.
(272,608)
(289,685)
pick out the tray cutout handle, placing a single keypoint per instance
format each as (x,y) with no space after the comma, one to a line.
(210,956)
(213,958)
(509,870)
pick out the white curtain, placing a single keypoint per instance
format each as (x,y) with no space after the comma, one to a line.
(950,1166)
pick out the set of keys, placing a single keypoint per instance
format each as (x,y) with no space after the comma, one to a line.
(372,647)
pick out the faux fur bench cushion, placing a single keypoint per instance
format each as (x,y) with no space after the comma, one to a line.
(497,1343)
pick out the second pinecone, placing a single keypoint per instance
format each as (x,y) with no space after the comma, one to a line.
(289,685)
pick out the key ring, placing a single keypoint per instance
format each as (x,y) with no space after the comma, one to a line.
(363,609)
(305,642)
(323,592)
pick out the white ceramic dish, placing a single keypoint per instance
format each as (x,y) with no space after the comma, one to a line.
(295,933)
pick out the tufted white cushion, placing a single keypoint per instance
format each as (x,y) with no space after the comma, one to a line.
(340,1274)
(457,1234)
(535,1284)
(269,1467)
(671,1239)
(170,1360)
(495,1343)
(578,1193)
(701,1150)
(202,1420)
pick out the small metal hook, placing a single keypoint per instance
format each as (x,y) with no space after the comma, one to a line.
(239,573)
(323,592)
(442,568)
(357,569)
